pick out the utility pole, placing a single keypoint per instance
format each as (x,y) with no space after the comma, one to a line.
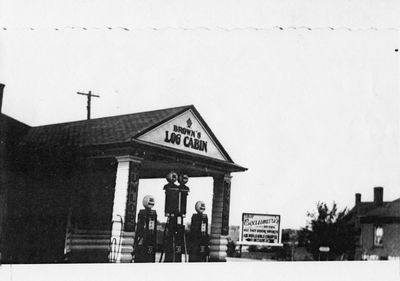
(89,100)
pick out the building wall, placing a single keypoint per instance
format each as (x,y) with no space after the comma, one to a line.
(391,242)
(92,198)
(3,214)
(11,132)
(36,221)
(39,196)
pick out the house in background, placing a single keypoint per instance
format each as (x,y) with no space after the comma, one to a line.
(377,225)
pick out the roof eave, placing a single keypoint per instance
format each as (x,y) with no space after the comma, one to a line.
(135,146)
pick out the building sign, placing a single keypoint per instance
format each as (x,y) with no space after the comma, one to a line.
(184,132)
(131,202)
(260,228)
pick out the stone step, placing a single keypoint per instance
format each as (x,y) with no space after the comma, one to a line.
(125,248)
(86,247)
(81,241)
(84,232)
(90,236)
(105,241)
(123,257)
(92,231)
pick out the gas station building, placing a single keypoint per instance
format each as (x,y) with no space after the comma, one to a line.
(69,191)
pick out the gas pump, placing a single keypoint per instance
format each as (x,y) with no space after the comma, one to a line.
(174,240)
(146,232)
(183,193)
(171,195)
(199,250)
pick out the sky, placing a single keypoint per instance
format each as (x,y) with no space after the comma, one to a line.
(305,94)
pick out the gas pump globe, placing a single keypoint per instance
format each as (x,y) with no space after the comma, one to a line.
(172,177)
(200,207)
(148,202)
(183,179)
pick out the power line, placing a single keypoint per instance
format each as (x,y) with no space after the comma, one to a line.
(201,28)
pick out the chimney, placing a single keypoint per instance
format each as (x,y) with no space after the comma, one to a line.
(378,196)
(1,95)
(358,199)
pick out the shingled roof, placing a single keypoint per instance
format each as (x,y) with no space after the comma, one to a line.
(368,211)
(389,209)
(114,129)
(114,132)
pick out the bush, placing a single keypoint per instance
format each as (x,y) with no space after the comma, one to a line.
(268,249)
(253,248)
(231,252)
(283,253)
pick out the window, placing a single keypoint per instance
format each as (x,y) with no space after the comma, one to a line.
(378,235)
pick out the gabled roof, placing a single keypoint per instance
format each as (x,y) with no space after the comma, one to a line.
(107,130)
(114,129)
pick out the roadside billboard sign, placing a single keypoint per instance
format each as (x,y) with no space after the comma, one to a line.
(261,229)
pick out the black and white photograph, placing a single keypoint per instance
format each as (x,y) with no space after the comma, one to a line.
(193,140)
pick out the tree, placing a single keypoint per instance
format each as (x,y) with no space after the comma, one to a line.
(329,228)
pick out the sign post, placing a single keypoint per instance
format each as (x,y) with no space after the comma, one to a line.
(323,249)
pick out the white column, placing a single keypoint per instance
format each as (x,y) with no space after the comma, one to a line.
(122,182)
(220,218)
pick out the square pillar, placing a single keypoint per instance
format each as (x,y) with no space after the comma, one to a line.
(131,203)
(124,208)
(220,218)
